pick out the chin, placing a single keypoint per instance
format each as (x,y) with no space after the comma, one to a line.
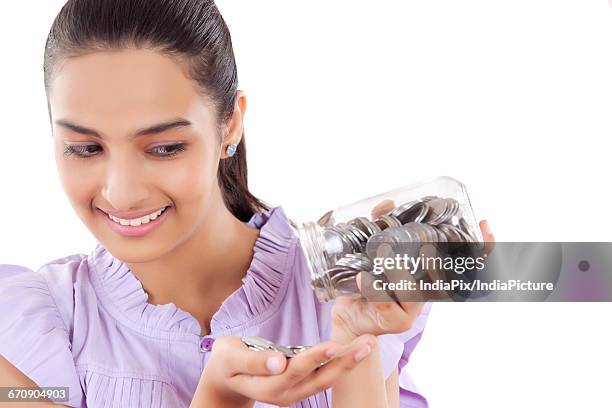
(133,250)
(131,255)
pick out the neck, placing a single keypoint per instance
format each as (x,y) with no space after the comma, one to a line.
(203,271)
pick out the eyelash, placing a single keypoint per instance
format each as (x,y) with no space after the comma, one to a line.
(80,150)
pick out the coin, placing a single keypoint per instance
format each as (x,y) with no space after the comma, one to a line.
(408,212)
(438,208)
(347,286)
(367,226)
(256,343)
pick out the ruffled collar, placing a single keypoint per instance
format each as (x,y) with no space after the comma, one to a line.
(259,296)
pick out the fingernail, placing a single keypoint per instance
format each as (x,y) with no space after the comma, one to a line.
(363,353)
(330,352)
(274,365)
(487,229)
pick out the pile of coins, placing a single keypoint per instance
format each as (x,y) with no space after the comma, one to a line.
(260,344)
(349,247)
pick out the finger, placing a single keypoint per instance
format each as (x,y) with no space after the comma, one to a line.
(343,363)
(394,316)
(391,317)
(326,219)
(298,368)
(389,312)
(309,360)
(488,236)
(381,208)
(365,283)
(239,359)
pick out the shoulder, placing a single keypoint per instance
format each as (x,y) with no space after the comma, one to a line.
(54,284)
(46,294)
(57,271)
(35,322)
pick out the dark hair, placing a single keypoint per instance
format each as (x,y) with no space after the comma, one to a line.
(193,30)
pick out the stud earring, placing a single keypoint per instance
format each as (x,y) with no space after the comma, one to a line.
(231,150)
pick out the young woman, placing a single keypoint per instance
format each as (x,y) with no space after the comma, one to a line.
(147,123)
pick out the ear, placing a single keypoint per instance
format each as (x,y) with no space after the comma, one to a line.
(235,126)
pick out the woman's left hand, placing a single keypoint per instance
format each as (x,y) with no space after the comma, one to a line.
(353,316)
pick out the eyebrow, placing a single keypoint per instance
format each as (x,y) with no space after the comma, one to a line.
(152,130)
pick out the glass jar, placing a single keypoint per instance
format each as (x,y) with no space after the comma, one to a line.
(344,241)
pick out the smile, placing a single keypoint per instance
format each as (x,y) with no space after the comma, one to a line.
(137,227)
(136,222)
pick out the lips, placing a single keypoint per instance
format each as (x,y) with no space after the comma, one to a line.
(139,231)
(132,215)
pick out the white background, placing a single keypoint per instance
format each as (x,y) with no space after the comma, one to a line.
(513,98)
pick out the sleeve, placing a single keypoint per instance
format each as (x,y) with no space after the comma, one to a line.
(396,350)
(33,336)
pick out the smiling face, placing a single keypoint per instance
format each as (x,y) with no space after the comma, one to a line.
(133,135)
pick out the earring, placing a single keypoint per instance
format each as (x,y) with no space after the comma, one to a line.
(231,149)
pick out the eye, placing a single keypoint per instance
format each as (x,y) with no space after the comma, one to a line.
(169,150)
(81,151)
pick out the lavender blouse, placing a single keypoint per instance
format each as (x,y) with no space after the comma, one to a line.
(83,322)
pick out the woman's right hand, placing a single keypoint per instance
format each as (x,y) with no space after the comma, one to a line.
(237,376)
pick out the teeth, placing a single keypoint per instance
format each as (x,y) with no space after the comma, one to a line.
(137,221)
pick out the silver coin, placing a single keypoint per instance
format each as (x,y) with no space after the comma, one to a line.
(334,242)
(260,344)
(347,286)
(379,245)
(388,242)
(357,237)
(337,273)
(441,236)
(358,258)
(386,221)
(283,349)
(450,209)
(438,208)
(295,350)
(456,206)
(453,216)
(408,212)
(451,233)
(442,241)
(422,214)
(347,245)
(466,236)
(365,225)
(406,240)
(354,241)
(463,225)
(428,232)
(417,229)
(433,233)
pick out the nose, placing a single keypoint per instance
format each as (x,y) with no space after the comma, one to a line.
(125,187)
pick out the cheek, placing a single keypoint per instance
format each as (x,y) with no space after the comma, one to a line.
(76,183)
(80,191)
(191,180)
